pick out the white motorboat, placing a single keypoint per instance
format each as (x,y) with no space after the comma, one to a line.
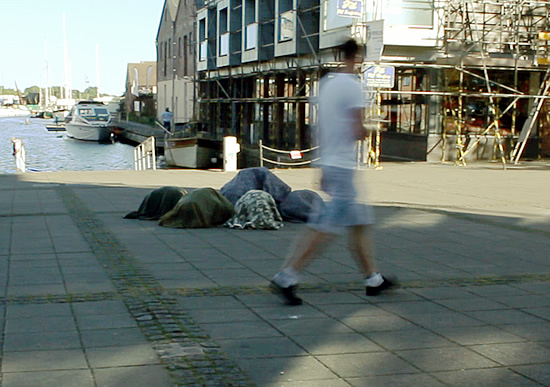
(14,111)
(90,121)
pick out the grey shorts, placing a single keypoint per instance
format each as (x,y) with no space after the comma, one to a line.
(342,210)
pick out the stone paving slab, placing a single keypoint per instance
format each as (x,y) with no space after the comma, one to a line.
(90,298)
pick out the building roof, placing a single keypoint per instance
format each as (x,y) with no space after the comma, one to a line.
(170,10)
(141,76)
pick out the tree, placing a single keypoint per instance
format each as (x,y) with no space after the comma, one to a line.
(91,91)
(7,91)
(56,91)
(32,89)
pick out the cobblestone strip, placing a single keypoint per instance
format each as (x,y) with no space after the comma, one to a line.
(60,299)
(357,286)
(192,358)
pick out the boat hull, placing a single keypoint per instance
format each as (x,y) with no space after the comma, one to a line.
(88,132)
(196,153)
(14,112)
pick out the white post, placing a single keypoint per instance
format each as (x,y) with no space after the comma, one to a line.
(261,153)
(230,150)
(19,154)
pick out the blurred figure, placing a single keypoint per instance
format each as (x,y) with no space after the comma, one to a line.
(167,118)
(341,116)
(19,154)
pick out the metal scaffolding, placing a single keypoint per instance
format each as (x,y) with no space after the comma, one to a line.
(265,99)
(480,95)
(498,49)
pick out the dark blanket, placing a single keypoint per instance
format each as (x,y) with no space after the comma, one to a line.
(204,207)
(259,178)
(298,204)
(157,203)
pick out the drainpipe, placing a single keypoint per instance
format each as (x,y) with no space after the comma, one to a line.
(173,51)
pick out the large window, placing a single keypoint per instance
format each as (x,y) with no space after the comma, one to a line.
(223,32)
(185,43)
(202,40)
(251,37)
(285,5)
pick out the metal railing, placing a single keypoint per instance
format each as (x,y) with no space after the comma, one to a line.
(368,153)
(145,155)
(293,155)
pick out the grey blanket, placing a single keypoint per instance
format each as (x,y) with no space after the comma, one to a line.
(259,178)
(298,204)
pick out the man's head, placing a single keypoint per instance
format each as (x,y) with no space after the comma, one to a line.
(167,109)
(349,49)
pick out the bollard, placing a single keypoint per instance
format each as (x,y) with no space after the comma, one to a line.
(230,150)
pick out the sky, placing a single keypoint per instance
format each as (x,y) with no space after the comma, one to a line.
(31,39)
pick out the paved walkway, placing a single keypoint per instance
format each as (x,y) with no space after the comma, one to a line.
(92,299)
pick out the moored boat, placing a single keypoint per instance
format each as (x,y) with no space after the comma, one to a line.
(55,128)
(14,111)
(193,152)
(90,121)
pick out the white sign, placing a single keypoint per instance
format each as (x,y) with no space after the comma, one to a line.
(379,77)
(375,41)
(294,155)
(286,26)
(350,8)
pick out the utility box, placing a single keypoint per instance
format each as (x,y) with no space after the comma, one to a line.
(230,150)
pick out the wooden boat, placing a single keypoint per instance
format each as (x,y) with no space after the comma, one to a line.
(193,152)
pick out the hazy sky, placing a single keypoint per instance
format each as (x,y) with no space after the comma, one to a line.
(31,35)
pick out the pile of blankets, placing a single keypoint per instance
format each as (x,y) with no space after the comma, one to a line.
(254,199)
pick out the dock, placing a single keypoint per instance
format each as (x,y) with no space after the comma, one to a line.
(135,133)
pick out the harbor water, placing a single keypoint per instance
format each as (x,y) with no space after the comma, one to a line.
(54,151)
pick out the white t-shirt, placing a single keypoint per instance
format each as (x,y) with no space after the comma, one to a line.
(339,94)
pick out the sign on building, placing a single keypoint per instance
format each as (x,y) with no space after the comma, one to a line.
(350,8)
(374,41)
(382,77)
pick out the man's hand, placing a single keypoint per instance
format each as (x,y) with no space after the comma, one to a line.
(361,132)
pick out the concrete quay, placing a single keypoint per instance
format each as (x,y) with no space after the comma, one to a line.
(92,299)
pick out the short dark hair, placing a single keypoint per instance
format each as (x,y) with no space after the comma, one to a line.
(349,48)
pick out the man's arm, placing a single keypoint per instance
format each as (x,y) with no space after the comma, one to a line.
(360,132)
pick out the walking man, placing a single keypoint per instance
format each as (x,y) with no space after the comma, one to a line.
(341,113)
(167,118)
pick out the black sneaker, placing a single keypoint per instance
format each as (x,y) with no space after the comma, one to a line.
(375,290)
(287,294)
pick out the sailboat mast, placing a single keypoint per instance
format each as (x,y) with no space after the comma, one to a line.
(68,91)
(97,68)
(47,96)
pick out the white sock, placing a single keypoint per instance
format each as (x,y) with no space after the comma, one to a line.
(288,277)
(374,280)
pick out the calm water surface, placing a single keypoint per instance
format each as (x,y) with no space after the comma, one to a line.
(54,151)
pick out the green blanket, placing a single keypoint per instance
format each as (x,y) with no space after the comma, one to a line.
(157,203)
(204,207)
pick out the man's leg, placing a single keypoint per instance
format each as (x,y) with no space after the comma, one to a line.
(285,281)
(361,244)
(304,250)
